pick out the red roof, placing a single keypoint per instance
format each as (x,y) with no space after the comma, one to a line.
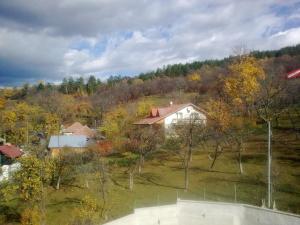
(11,151)
(158,114)
(293,74)
(78,129)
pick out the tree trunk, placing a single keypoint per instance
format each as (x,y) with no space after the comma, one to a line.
(141,162)
(240,157)
(187,163)
(269,164)
(186,176)
(215,156)
(58,183)
(240,162)
(130,180)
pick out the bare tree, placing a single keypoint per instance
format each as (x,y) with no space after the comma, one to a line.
(190,133)
(269,105)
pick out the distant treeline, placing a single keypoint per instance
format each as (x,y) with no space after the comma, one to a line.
(184,69)
(209,70)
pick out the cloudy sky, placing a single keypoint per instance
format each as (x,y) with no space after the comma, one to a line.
(51,39)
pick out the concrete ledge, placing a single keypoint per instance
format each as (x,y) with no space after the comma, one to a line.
(186,212)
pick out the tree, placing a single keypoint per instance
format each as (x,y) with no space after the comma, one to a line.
(64,166)
(130,161)
(115,125)
(51,124)
(91,85)
(239,130)
(241,88)
(243,84)
(143,108)
(219,122)
(40,86)
(189,133)
(143,141)
(269,105)
(29,180)
(194,76)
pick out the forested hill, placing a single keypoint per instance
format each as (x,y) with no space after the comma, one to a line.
(184,69)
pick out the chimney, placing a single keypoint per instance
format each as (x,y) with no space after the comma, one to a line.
(171,103)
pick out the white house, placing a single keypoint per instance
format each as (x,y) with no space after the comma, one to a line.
(168,116)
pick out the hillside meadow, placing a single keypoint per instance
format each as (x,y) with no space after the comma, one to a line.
(162,179)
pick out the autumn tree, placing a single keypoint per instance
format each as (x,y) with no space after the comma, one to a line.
(243,83)
(143,108)
(219,121)
(29,180)
(115,125)
(241,88)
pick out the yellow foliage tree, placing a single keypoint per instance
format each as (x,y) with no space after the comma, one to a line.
(195,76)
(219,114)
(242,85)
(51,123)
(143,108)
(114,125)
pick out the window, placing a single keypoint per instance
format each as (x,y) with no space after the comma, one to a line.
(180,115)
(195,116)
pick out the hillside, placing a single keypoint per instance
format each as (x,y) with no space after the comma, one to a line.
(227,156)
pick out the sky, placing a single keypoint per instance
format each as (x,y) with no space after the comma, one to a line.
(51,39)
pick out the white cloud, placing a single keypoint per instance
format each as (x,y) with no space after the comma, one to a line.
(61,38)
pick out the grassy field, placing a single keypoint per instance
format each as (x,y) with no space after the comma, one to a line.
(162,178)
(162,181)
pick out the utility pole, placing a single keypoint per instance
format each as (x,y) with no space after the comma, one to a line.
(269,165)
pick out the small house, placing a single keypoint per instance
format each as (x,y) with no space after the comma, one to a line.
(79,129)
(166,117)
(78,143)
(8,154)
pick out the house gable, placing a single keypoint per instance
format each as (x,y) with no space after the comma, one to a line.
(164,115)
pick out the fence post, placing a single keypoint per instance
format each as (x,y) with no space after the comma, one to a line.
(235,198)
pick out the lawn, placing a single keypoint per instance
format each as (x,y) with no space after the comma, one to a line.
(161,181)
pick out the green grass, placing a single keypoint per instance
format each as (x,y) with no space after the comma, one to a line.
(162,181)
(162,178)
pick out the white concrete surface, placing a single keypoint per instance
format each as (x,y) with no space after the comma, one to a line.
(207,213)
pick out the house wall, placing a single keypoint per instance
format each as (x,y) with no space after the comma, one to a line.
(55,151)
(184,113)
